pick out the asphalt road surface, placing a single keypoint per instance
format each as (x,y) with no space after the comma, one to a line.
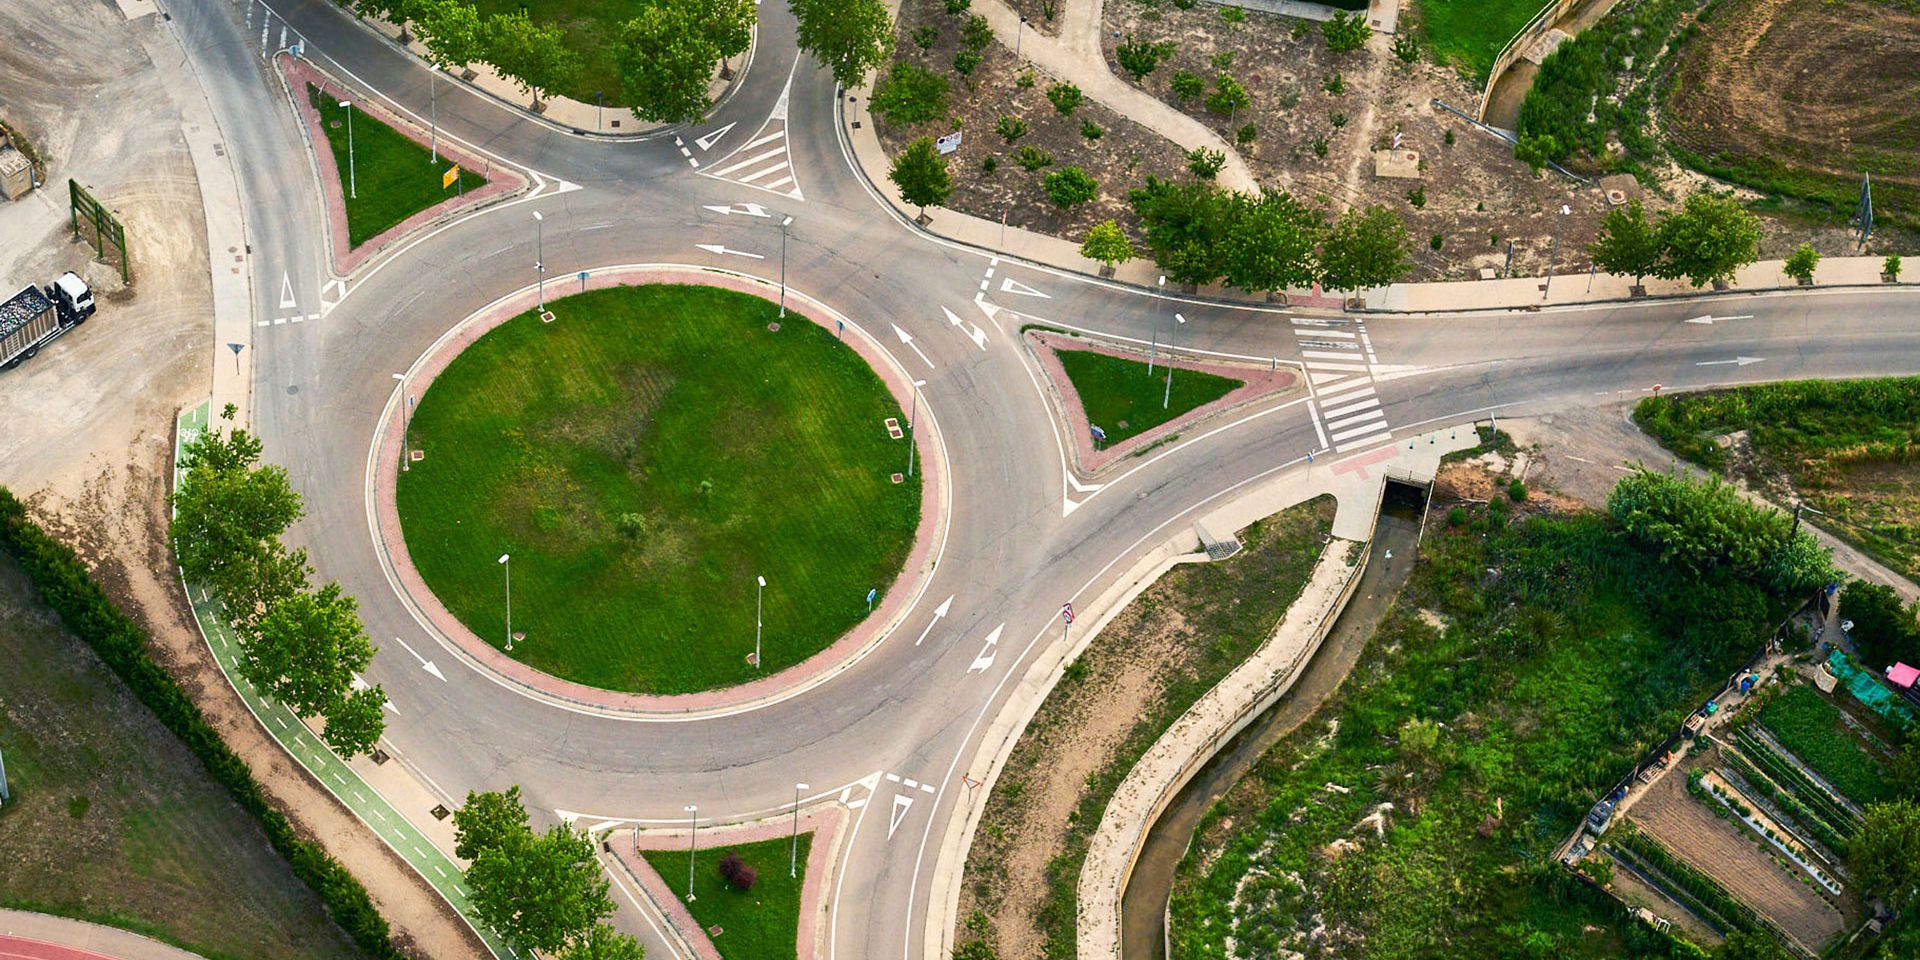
(1015,553)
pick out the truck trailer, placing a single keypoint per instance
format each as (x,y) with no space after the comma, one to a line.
(33,317)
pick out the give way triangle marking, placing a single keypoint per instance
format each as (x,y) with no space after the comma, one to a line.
(286,293)
(901,804)
(1010,285)
(707,142)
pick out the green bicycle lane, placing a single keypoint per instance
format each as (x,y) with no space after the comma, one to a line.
(298,740)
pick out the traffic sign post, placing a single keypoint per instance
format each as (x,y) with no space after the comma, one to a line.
(948,143)
(1066,618)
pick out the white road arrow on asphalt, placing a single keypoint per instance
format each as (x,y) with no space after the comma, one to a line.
(1736,361)
(750,209)
(907,339)
(721,250)
(425,664)
(987,652)
(938,613)
(1010,285)
(901,804)
(1710,318)
(977,335)
(707,142)
(286,293)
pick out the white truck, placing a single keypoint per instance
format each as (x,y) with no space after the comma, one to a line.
(33,317)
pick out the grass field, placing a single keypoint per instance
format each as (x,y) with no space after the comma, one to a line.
(395,177)
(1123,399)
(1469,33)
(114,821)
(1798,98)
(643,459)
(1847,447)
(758,924)
(1527,665)
(1810,726)
(593,27)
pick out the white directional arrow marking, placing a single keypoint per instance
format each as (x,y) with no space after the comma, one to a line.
(951,318)
(907,339)
(978,336)
(901,804)
(425,664)
(1736,361)
(721,249)
(750,209)
(286,293)
(987,652)
(1710,318)
(1010,285)
(707,142)
(938,612)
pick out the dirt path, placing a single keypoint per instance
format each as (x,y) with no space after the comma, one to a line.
(1724,851)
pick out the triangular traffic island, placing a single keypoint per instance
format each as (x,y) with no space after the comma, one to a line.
(746,905)
(1115,408)
(383,175)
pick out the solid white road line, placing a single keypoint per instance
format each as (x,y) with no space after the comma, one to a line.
(1320,431)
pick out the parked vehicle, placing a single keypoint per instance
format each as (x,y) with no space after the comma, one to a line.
(33,317)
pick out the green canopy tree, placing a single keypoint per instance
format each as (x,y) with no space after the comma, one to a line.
(542,892)
(667,55)
(453,33)
(532,55)
(1881,852)
(227,510)
(603,942)
(1270,243)
(1365,248)
(486,820)
(922,176)
(1707,240)
(1699,526)
(1885,631)
(1628,244)
(304,652)
(851,37)
(1185,228)
(1107,243)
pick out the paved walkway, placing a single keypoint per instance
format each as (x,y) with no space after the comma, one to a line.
(1382,15)
(38,936)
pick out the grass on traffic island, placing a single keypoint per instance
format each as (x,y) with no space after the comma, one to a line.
(113,820)
(762,923)
(390,177)
(643,459)
(1124,399)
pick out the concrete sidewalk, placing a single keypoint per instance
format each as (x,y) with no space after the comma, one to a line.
(45,937)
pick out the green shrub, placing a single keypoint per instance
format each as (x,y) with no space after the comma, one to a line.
(965,62)
(1091,130)
(910,94)
(1457,517)
(977,35)
(1031,158)
(1516,490)
(1010,128)
(1801,263)
(1139,58)
(1891,266)
(1436,241)
(1065,97)
(1346,32)
(1205,164)
(1246,134)
(1069,187)
(1406,47)
(924,36)
(1187,86)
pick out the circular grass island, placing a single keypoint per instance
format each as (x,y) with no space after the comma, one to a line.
(643,459)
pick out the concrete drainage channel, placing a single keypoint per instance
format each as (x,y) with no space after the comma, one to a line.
(1144,905)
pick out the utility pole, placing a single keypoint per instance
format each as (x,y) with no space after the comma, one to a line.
(793,857)
(1167,401)
(1553,251)
(784,224)
(693,832)
(433,101)
(353,179)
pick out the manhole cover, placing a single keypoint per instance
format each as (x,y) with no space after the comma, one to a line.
(773,327)
(899,478)
(335,124)
(440,811)
(291,389)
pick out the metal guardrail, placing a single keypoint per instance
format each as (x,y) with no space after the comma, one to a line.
(1511,52)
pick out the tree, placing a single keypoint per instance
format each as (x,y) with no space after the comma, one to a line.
(1628,244)
(1707,240)
(1881,852)
(1139,57)
(1069,187)
(1884,630)
(1185,227)
(453,33)
(227,511)
(1365,248)
(1204,163)
(532,55)
(667,55)
(1701,526)
(603,942)
(486,820)
(305,652)
(1536,150)
(1346,32)
(543,891)
(396,12)
(1269,244)
(1186,85)
(851,37)
(354,725)
(1801,263)
(738,873)
(910,94)
(1750,945)
(1903,772)
(1107,243)
(1065,97)
(922,176)
(1228,95)
(977,35)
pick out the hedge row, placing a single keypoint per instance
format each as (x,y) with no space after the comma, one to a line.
(63,584)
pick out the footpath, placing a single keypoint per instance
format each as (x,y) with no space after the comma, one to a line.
(39,936)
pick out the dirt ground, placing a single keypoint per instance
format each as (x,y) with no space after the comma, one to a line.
(1725,851)
(90,431)
(1824,88)
(1119,160)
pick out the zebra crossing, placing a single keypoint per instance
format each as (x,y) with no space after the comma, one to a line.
(766,161)
(1339,359)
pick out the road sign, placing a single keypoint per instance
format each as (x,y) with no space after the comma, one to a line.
(1066,612)
(452,174)
(1098,434)
(948,143)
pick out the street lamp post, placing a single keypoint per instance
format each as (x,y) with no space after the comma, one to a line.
(784,224)
(759,595)
(508,568)
(693,831)
(433,101)
(913,418)
(353,180)
(1154,346)
(540,255)
(599,109)
(1019,34)
(793,857)
(406,422)
(1554,251)
(1167,400)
